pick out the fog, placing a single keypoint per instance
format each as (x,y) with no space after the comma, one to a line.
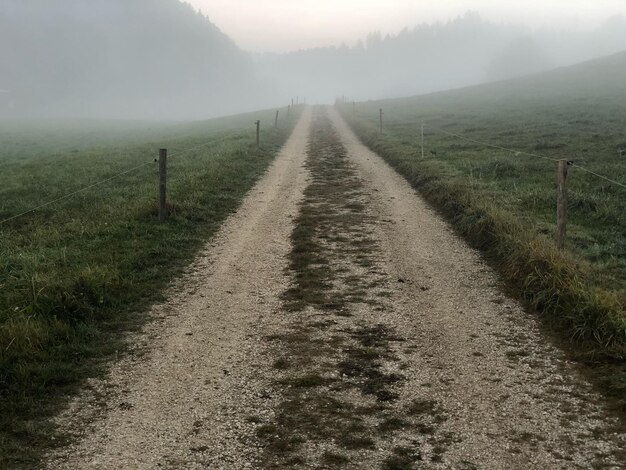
(288,25)
(156,59)
(431,57)
(164,60)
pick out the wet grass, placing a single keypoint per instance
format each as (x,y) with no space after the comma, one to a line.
(402,458)
(324,220)
(363,363)
(334,460)
(74,276)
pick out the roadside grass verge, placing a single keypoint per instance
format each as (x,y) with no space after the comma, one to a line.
(505,204)
(76,275)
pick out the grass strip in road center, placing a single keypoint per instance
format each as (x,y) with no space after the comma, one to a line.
(338,367)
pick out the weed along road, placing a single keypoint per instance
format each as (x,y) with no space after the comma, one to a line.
(337,322)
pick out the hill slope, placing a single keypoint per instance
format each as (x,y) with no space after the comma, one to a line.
(599,78)
(116,58)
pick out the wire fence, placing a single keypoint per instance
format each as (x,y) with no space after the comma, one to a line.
(78,191)
(522,152)
(487,144)
(90,186)
(562,164)
(562,176)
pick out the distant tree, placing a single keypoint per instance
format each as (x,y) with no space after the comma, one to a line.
(373,40)
(522,56)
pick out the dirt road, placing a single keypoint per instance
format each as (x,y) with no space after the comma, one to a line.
(337,322)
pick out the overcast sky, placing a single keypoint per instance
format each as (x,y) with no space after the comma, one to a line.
(284,25)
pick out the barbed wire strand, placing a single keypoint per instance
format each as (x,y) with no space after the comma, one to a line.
(587,128)
(599,175)
(521,152)
(210,142)
(182,152)
(74,193)
(487,144)
(98,183)
(552,125)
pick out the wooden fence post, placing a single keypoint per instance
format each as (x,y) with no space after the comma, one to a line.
(381,120)
(561,204)
(276,120)
(422,140)
(258,133)
(162,184)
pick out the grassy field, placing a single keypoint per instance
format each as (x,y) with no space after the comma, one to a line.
(76,274)
(504,202)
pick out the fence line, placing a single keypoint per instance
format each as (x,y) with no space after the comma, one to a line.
(562,164)
(598,175)
(182,152)
(487,144)
(561,213)
(522,152)
(98,183)
(74,193)
(117,175)
(542,124)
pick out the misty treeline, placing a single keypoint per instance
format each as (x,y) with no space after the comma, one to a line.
(117,58)
(161,59)
(433,57)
